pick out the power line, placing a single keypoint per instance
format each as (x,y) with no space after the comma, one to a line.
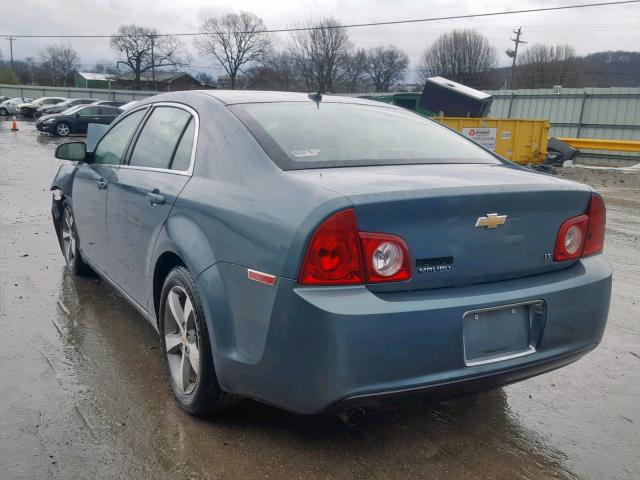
(357,25)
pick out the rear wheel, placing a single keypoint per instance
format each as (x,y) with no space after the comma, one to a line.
(186,350)
(63,129)
(69,243)
(4,112)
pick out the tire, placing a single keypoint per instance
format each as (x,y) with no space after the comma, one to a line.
(185,347)
(4,112)
(62,129)
(70,244)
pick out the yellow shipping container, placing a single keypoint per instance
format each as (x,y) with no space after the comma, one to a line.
(521,141)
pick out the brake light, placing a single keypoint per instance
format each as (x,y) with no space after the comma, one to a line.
(333,255)
(340,255)
(597,222)
(582,235)
(386,257)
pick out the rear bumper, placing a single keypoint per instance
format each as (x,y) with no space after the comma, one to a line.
(460,387)
(311,350)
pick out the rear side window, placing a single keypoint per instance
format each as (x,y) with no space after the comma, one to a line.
(159,138)
(89,112)
(110,111)
(111,148)
(182,158)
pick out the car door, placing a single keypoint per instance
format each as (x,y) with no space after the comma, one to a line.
(91,186)
(140,199)
(84,117)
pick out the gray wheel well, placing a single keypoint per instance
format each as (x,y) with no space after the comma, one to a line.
(164,265)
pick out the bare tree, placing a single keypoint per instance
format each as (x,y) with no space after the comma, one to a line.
(8,76)
(320,53)
(236,41)
(386,66)
(143,49)
(204,78)
(354,70)
(460,55)
(284,66)
(542,65)
(59,62)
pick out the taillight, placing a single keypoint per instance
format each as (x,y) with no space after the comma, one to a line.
(333,255)
(597,221)
(582,235)
(386,257)
(340,255)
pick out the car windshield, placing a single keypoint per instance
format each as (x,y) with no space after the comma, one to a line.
(310,135)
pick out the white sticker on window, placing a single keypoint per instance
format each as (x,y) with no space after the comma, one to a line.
(312,152)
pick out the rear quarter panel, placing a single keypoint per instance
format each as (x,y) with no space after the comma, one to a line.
(239,207)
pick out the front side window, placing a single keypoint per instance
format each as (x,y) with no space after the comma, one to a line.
(112,146)
(159,138)
(305,135)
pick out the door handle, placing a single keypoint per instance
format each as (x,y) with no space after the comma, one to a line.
(102,185)
(155,198)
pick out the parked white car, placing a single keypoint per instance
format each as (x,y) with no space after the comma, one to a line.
(10,107)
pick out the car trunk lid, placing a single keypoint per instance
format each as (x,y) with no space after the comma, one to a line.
(451,216)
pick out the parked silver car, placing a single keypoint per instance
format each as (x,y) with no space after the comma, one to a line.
(108,103)
(29,109)
(129,105)
(10,107)
(62,106)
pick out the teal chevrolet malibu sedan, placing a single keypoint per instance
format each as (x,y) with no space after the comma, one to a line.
(330,254)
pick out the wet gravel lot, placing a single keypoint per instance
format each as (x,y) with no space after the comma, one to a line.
(83,394)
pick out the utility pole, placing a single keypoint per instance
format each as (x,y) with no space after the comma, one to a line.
(11,39)
(153,62)
(517,42)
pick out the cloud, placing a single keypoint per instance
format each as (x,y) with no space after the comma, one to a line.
(588,30)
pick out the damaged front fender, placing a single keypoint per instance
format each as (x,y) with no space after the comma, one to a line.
(62,188)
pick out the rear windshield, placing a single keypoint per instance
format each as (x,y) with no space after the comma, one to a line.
(306,135)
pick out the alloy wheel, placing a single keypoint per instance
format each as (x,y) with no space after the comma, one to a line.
(62,129)
(182,340)
(68,237)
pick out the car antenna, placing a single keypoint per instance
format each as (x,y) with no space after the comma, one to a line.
(316,97)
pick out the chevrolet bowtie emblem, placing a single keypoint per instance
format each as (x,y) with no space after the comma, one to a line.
(492,220)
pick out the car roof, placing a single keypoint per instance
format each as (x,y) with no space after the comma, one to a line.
(232,97)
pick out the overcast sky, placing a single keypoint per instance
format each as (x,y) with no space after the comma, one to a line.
(588,30)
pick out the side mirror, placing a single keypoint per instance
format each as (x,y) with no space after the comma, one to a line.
(77,115)
(74,151)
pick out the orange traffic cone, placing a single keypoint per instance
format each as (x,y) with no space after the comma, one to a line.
(14,125)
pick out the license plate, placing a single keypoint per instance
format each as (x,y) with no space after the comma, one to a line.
(501,333)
